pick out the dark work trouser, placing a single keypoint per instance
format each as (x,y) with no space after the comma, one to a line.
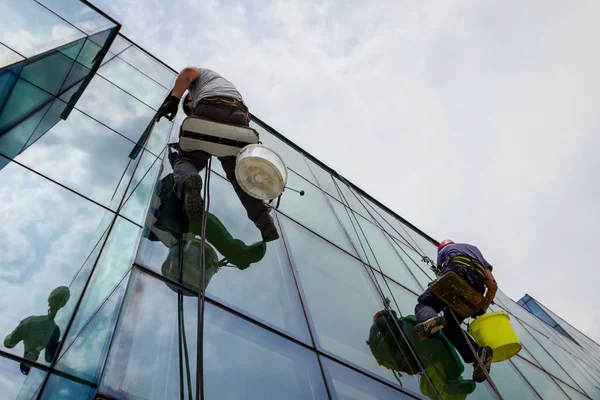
(192,162)
(429,306)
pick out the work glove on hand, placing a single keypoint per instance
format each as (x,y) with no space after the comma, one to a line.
(168,109)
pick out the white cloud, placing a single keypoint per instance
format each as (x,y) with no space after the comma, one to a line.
(474,120)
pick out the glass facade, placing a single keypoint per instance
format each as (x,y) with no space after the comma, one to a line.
(100,269)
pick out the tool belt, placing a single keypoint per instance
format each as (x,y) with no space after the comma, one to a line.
(469,263)
(228,101)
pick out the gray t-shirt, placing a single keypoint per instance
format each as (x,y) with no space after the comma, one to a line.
(210,84)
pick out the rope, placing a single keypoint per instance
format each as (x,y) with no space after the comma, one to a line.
(201,291)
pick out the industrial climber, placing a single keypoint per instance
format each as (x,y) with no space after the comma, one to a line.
(212,97)
(469,264)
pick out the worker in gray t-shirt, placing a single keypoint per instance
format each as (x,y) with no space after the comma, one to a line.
(213,97)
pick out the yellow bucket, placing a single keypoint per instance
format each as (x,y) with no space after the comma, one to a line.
(494,330)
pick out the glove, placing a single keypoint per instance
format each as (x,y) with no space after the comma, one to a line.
(168,109)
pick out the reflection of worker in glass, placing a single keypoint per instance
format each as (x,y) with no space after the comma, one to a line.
(170,225)
(435,356)
(213,97)
(469,264)
(40,332)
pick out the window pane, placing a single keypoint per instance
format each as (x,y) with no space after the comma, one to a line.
(324,179)
(14,385)
(351,201)
(28,39)
(79,15)
(386,258)
(46,237)
(83,155)
(279,368)
(140,189)
(23,99)
(148,66)
(154,344)
(85,351)
(293,159)
(402,300)
(351,385)
(572,393)
(8,57)
(413,260)
(350,225)
(313,211)
(132,81)
(115,108)
(542,382)
(13,141)
(341,301)
(59,388)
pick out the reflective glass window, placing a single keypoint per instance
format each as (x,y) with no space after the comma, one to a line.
(401,300)
(8,78)
(239,264)
(115,108)
(384,256)
(47,235)
(158,136)
(348,220)
(340,299)
(540,380)
(14,384)
(292,158)
(153,353)
(351,201)
(62,388)
(78,14)
(118,45)
(23,99)
(572,393)
(413,260)
(351,385)
(83,155)
(134,82)
(49,71)
(48,32)
(324,179)
(85,350)
(279,368)
(140,188)
(313,211)
(148,66)
(13,141)
(8,57)
(484,391)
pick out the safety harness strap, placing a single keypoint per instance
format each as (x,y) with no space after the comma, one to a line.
(469,263)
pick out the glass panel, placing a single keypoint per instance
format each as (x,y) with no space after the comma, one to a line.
(79,15)
(8,57)
(14,384)
(386,258)
(414,262)
(85,352)
(401,300)
(350,199)
(340,300)
(252,267)
(293,159)
(148,66)
(8,78)
(350,224)
(153,353)
(313,211)
(13,141)
(119,45)
(158,136)
(23,99)
(28,39)
(510,383)
(351,385)
(572,393)
(46,237)
(140,189)
(132,81)
(324,179)
(49,72)
(60,388)
(83,155)
(115,108)
(279,368)
(542,382)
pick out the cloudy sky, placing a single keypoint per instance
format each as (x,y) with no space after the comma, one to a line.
(474,120)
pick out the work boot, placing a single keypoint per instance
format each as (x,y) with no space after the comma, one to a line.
(269,233)
(194,205)
(485,355)
(426,328)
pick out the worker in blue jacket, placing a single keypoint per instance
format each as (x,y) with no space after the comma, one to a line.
(467,262)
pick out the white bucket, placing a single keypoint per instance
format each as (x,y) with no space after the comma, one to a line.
(261,172)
